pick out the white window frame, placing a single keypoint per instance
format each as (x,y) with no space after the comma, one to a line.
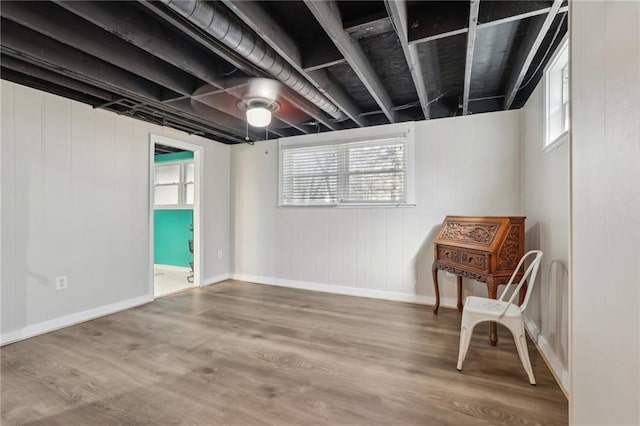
(549,143)
(182,185)
(331,139)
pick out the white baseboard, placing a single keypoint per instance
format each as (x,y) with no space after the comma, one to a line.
(172,267)
(551,359)
(67,320)
(348,291)
(216,279)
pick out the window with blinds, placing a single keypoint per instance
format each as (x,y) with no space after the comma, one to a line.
(174,184)
(362,172)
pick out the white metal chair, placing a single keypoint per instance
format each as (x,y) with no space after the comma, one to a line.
(481,309)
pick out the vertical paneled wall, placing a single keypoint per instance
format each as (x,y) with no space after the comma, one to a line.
(605,90)
(464,166)
(75,202)
(545,198)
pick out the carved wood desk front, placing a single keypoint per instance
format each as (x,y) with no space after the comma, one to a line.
(485,249)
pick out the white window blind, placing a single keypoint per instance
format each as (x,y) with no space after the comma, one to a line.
(362,172)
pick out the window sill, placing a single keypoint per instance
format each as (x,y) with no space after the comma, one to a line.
(556,142)
(352,206)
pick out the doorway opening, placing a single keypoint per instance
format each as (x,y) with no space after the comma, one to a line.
(175,200)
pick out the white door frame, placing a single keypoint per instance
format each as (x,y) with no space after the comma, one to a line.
(198,162)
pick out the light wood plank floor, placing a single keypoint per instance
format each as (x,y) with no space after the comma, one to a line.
(242,354)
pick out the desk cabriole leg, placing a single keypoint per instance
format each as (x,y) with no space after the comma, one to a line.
(434,271)
(459,293)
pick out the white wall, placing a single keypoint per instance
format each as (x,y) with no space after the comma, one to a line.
(545,200)
(75,191)
(605,157)
(464,166)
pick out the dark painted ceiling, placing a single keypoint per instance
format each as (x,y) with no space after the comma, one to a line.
(353,63)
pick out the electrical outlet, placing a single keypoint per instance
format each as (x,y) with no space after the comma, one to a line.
(219,254)
(62,282)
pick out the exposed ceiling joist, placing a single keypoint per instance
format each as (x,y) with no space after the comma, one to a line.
(177,116)
(327,85)
(29,69)
(163,118)
(398,14)
(54,22)
(474,7)
(143,33)
(531,43)
(496,12)
(206,91)
(427,28)
(370,26)
(47,86)
(316,63)
(40,50)
(29,46)
(196,31)
(190,64)
(166,122)
(269,30)
(252,15)
(151,37)
(204,41)
(318,55)
(166,44)
(328,16)
(430,20)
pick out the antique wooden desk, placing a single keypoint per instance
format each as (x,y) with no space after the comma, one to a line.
(485,249)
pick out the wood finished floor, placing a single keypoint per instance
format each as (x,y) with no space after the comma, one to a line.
(243,354)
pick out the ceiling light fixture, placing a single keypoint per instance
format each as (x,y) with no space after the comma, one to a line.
(258,116)
(258,110)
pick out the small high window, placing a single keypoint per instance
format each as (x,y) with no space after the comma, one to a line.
(556,82)
(361,172)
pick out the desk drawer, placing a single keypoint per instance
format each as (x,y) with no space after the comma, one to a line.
(465,259)
(448,254)
(479,261)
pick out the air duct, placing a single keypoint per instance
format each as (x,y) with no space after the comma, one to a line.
(221,25)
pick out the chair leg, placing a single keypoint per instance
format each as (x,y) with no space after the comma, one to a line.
(521,345)
(466,331)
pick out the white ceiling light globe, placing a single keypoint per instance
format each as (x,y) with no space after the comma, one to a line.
(258,116)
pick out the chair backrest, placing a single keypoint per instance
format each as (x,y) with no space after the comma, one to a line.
(529,275)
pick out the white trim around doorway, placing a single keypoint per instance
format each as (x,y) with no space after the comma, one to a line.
(198,152)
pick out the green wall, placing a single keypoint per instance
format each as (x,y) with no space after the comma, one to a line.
(171,237)
(171,227)
(183,155)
